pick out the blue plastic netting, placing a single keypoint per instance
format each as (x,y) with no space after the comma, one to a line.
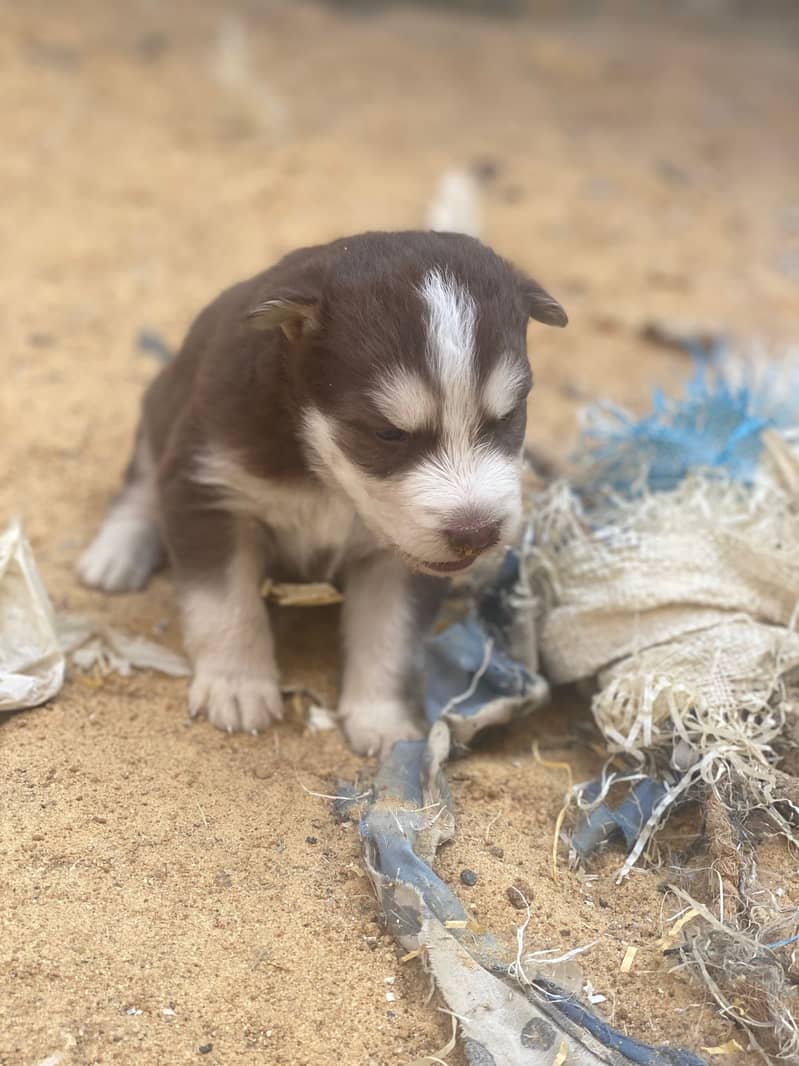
(717,424)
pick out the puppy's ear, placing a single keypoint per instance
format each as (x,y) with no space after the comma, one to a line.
(540,305)
(295,314)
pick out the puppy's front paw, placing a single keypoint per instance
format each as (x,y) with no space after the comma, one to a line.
(249,702)
(122,556)
(372,728)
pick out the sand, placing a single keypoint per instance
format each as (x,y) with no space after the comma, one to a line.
(169,894)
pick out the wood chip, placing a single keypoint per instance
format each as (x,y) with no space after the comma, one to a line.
(629,959)
(732,1047)
(411,955)
(668,940)
(469,923)
(311,594)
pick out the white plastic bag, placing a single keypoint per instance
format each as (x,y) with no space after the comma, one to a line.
(31,660)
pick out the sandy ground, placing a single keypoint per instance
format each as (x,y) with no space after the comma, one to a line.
(172,895)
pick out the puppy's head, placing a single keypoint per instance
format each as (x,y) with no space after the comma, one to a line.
(409,358)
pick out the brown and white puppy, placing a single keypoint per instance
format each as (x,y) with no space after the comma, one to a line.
(355,413)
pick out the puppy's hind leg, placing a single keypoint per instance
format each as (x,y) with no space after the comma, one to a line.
(128,549)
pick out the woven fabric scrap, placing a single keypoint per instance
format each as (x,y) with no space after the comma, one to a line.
(676,589)
(667,576)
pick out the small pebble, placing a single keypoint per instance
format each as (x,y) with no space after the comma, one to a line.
(517,893)
(468,877)
(310,840)
(205,1048)
(40,340)
(497,851)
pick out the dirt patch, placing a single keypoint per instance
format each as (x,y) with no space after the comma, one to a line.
(170,894)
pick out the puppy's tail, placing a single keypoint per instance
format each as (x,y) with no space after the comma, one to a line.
(455,206)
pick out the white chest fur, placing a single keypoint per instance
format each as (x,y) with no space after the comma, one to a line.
(315,530)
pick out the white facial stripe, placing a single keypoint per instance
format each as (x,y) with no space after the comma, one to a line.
(504,388)
(451,328)
(452,318)
(406,401)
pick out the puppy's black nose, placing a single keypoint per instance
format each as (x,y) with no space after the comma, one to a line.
(473,537)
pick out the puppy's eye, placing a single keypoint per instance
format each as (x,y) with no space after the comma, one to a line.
(503,420)
(391,434)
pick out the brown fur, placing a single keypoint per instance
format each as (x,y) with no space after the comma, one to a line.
(245,389)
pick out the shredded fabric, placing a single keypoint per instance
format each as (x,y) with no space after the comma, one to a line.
(90,645)
(504,1016)
(667,574)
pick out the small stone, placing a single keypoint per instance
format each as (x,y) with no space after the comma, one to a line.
(40,340)
(477,1054)
(468,877)
(311,840)
(205,1048)
(497,851)
(486,168)
(538,1035)
(519,894)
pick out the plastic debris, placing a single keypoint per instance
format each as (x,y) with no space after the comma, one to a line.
(96,645)
(602,823)
(320,719)
(407,814)
(502,1020)
(36,644)
(675,586)
(150,342)
(472,678)
(719,424)
(31,659)
(667,576)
